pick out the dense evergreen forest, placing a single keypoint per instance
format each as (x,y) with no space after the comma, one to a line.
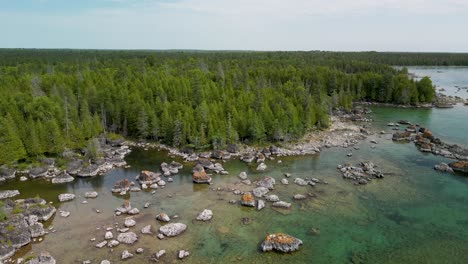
(52,100)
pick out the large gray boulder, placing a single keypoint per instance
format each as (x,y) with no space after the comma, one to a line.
(172,229)
(280,242)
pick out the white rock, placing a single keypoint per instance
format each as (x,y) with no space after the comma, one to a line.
(64,197)
(91,194)
(126,255)
(127,238)
(172,229)
(108,235)
(129,222)
(205,215)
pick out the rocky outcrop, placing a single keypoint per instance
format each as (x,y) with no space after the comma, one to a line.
(173,229)
(8,194)
(91,170)
(280,242)
(247,199)
(62,177)
(205,215)
(7,174)
(65,197)
(460,166)
(38,172)
(148,177)
(400,136)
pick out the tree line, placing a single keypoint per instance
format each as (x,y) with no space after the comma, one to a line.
(52,100)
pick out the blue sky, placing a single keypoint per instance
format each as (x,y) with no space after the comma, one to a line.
(382,25)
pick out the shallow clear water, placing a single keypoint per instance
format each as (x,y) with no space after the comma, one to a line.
(413,215)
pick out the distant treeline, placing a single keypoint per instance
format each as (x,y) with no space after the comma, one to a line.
(51,100)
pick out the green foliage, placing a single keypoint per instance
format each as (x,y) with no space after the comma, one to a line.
(2,212)
(10,228)
(203,99)
(17,210)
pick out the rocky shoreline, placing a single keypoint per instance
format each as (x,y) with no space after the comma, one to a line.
(113,154)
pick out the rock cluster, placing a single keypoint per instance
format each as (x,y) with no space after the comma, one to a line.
(361,174)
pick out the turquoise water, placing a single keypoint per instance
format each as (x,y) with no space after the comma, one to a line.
(413,215)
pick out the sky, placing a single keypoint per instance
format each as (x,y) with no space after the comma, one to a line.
(336,25)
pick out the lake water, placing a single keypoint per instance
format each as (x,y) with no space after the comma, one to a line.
(453,79)
(413,215)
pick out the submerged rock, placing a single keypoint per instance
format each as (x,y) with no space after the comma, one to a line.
(444,167)
(205,215)
(44,258)
(280,242)
(173,229)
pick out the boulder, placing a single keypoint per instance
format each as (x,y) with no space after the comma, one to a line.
(267,182)
(260,191)
(399,136)
(272,198)
(7,173)
(91,194)
(206,215)
(44,258)
(260,204)
(173,229)
(460,166)
(63,177)
(231,148)
(299,197)
(146,230)
(280,242)
(247,199)
(129,222)
(183,254)
(89,171)
(163,217)
(443,167)
(73,167)
(281,204)
(261,167)
(8,194)
(201,177)
(126,255)
(127,238)
(64,197)
(38,172)
(243,175)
